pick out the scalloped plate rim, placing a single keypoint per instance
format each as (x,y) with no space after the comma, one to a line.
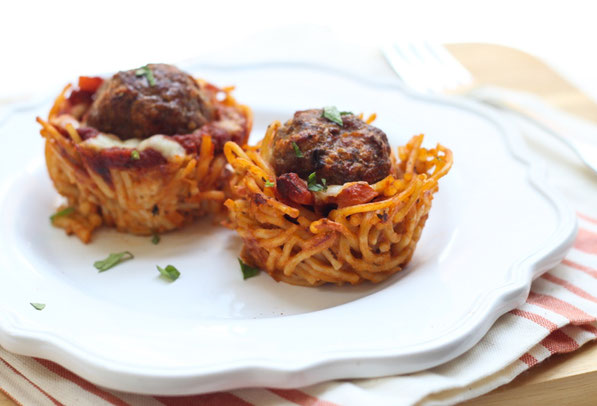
(464,335)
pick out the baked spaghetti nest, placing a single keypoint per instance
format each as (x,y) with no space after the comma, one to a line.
(309,232)
(141,151)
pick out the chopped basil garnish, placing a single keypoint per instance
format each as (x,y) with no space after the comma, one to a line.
(135,154)
(155,239)
(332,114)
(297,150)
(248,271)
(313,186)
(112,260)
(38,306)
(170,272)
(346,113)
(61,213)
(269,184)
(145,71)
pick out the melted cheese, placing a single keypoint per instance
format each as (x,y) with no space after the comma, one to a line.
(332,192)
(164,145)
(228,125)
(104,141)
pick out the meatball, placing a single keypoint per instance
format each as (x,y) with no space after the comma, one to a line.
(355,151)
(156,99)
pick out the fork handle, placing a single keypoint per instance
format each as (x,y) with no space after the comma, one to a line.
(586,152)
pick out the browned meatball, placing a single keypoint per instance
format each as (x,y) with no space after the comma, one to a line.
(355,151)
(156,99)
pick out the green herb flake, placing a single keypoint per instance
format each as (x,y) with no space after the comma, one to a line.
(155,240)
(313,186)
(38,306)
(332,114)
(297,150)
(269,184)
(346,113)
(248,271)
(135,155)
(145,71)
(112,260)
(170,272)
(62,213)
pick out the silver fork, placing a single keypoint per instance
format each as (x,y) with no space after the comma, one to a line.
(430,68)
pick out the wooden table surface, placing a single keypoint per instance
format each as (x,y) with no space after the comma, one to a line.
(569,379)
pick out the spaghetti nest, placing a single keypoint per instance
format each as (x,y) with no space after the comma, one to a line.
(143,194)
(298,245)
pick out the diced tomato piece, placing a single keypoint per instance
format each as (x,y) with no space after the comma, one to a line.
(357,193)
(90,83)
(291,187)
(78,96)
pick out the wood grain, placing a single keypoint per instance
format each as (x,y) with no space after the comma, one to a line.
(5,401)
(514,69)
(569,379)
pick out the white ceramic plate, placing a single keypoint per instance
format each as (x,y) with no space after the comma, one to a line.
(494,226)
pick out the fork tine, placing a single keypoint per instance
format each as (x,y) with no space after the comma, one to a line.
(406,65)
(453,68)
(427,67)
(431,67)
(441,79)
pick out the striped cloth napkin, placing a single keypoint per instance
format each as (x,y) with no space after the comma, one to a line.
(559,316)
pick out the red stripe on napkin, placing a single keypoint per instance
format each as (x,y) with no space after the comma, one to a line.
(559,342)
(208,399)
(586,218)
(586,241)
(300,398)
(529,360)
(572,313)
(570,287)
(46,394)
(540,320)
(589,271)
(82,383)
